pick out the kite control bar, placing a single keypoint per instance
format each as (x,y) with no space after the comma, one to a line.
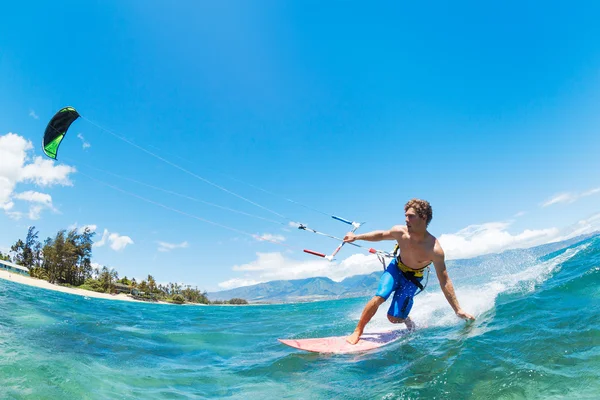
(355,226)
(314,253)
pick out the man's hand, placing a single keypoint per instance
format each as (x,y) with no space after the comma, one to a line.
(464,315)
(350,237)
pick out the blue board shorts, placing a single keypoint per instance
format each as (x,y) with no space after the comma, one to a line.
(393,280)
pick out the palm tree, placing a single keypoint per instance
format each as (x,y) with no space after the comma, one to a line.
(151,284)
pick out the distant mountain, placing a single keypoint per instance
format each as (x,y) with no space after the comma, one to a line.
(321,288)
(302,289)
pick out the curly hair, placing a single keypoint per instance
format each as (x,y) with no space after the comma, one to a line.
(422,208)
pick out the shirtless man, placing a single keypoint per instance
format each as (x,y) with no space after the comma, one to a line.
(418,248)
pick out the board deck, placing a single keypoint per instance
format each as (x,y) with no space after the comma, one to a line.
(338,344)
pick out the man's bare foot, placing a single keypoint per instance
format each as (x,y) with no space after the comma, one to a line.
(354,338)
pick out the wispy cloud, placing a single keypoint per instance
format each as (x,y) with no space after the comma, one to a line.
(33,115)
(39,202)
(166,247)
(269,237)
(85,144)
(17,168)
(569,197)
(115,241)
(590,192)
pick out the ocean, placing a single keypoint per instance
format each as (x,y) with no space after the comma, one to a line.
(537,336)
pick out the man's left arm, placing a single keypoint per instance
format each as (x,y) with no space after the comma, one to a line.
(446,283)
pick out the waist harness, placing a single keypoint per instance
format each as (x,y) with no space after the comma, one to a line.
(413,274)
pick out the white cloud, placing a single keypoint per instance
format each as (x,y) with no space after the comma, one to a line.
(40,201)
(492,237)
(237,282)
(44,172)
(96,267)
(269,237)
(118,242)
(560,198)
(84,143)
(7,206)
(33,115)
(80,230)
(102,241)
(165,247)
(569,197)
(92,228)
(34,212)
(275,266)
(34,197)
(115,241)
(17,168)
(582,227)
(590,192)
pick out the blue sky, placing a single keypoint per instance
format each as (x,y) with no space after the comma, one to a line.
(487,111)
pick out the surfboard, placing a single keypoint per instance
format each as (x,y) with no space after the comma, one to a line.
(338,344)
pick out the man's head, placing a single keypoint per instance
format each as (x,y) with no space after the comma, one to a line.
(418,214)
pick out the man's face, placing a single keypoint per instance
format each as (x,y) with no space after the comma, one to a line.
(414,223)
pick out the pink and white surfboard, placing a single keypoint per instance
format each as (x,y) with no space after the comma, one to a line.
(338,344)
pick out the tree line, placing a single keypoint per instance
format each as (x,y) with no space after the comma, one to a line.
(66,259)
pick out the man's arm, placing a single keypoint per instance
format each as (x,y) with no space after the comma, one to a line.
(374,236)
(446,283)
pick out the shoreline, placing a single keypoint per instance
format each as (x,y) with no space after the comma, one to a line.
(42,284)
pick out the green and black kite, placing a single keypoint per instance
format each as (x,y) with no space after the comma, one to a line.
(57,129)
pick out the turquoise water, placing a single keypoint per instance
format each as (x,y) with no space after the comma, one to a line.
(537,336)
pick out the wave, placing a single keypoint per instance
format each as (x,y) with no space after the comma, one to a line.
(510,275)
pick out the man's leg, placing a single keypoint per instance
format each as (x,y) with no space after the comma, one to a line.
(368,313)
(402,303)
(387,284)
(410,325)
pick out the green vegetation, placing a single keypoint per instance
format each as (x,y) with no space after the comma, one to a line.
(66,260)
(232,301)
(4,257)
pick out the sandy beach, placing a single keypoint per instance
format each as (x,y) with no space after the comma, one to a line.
(25,280)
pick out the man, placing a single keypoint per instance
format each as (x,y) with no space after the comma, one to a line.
(418,248)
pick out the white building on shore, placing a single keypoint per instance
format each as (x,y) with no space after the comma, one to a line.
(11,267)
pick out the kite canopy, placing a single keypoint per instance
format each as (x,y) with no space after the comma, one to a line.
(57,129)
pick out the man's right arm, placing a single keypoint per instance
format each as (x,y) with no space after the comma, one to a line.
(374,236)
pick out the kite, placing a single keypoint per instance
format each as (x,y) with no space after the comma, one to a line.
(57,129)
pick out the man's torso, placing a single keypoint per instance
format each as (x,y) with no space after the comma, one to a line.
(416,254)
